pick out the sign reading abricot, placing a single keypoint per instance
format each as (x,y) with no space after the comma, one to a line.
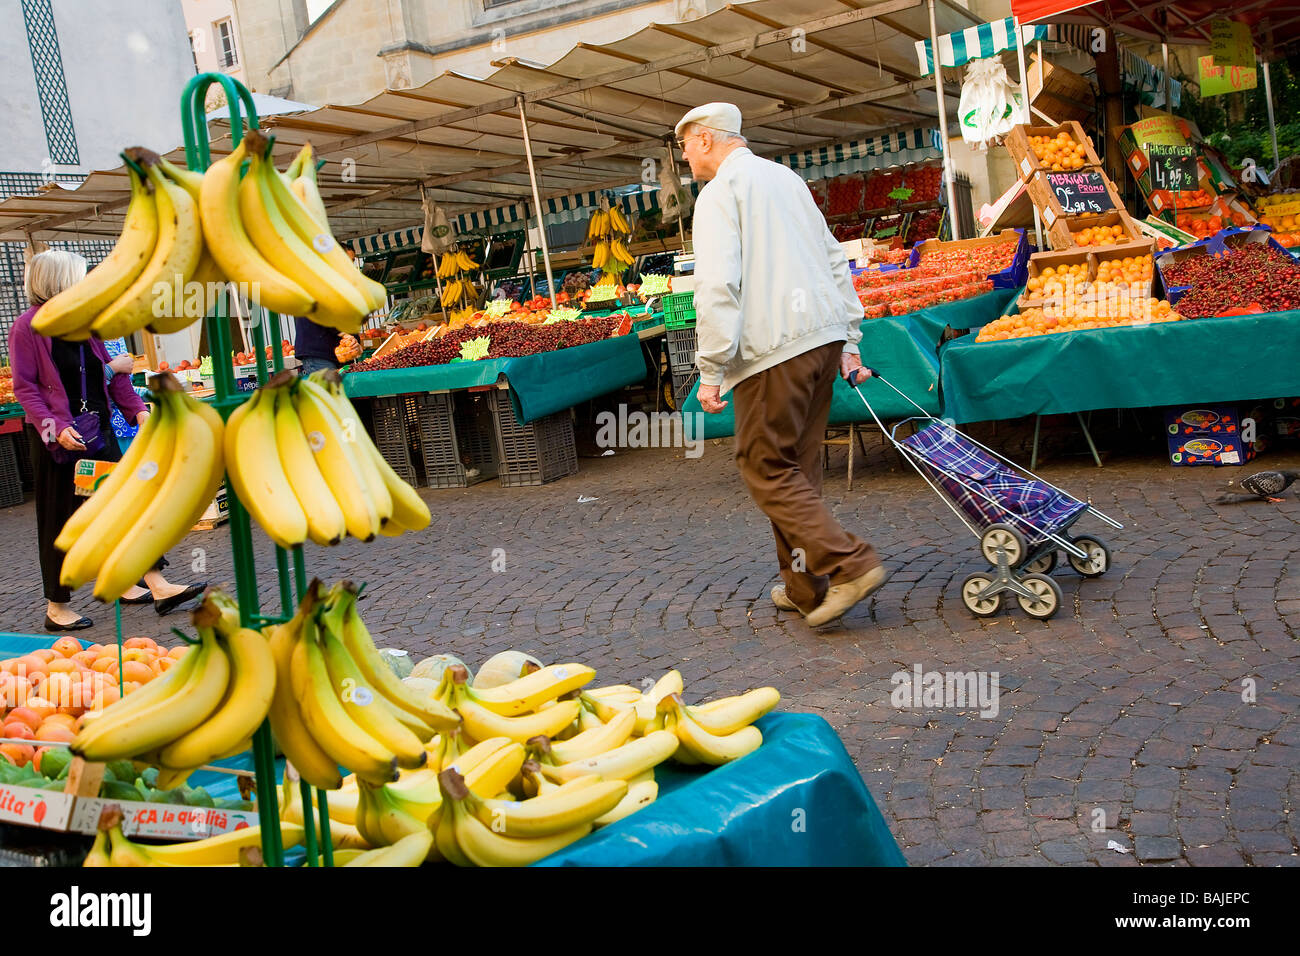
(1084,193)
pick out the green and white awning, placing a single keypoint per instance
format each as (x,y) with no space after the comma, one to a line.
(976,43)
(895,149)
(386,241)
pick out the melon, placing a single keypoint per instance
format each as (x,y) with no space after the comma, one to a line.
(503,668)
(398,660)
(432,667)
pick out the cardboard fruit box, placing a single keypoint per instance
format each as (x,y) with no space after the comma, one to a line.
(1012,277)
(1061,235)
(1027,162)
(1141,247)
(1055,260)
(1209,435)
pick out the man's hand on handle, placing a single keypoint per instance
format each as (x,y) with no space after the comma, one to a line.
(850,361)
(708,396)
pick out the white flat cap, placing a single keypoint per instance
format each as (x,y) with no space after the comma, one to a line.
(724,117)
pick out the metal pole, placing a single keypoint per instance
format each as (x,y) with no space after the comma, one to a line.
(537,200)
(1272,127)
(1164,53)
(1024,91)
(948,173)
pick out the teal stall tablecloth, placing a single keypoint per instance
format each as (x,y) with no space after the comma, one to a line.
(966,314)
(1222,359)
(539,384)
(796,801)
(895,346)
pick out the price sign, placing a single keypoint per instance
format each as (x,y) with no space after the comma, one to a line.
(1216,80)
(1230,44)
(1081,193)
(1172,167)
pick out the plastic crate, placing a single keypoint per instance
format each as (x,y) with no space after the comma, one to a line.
(536,453)
(679,310)
(23,446)
(683,382)
(11,479)
(455,438)
(681,348)
(395,425)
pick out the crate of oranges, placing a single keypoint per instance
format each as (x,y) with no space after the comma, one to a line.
(1118,312)
(1053,275)
(1054,149)
(1130,268)
(1092,231)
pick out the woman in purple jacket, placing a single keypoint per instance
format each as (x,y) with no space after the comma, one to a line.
(50,378)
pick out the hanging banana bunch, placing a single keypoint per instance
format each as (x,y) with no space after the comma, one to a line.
(611,229)
(598,226)
(455,266)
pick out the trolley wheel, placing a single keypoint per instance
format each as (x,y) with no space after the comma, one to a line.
(1048,596)
(1098,560)
(1043,564)
(670,396)
(970,591)
(1007,538)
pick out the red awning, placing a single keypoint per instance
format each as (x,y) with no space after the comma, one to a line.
(1027,11)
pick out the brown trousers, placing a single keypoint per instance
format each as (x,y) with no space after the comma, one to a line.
(781,416)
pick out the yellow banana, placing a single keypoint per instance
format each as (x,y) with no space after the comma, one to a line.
(228,241)
(641,792)
(730,714)
(128,488)
(365,706)
(124,853)
(338,303)
(409,851)
(168,685)
(608,707)
(175,256)
(132,732)
(570,805)
(319,238)
(338,465)
(256,475)
(291,733)
(494,772)
(330,726)
(72,311)
(481,723)
(587,721)
(222,850)
(252,685)
(530,692)
(305,187)
(193,476)
(467,760)
(325,522)
(623,763)
(381,677)
(592,743)
(351,432)
(482,847)
(99,852)
(705,747)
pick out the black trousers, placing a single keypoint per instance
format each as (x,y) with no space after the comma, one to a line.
(56,501)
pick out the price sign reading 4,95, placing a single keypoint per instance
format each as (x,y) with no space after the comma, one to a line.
(1172,167)
(1081,194)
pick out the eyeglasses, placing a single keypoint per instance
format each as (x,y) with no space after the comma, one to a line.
(681,143)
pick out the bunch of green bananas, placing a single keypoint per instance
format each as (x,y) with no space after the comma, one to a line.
(301,462)
(336,701)
(205,707)
(112,848)
(162,486)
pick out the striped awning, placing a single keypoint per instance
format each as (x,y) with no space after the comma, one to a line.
(386,241)
(975,43)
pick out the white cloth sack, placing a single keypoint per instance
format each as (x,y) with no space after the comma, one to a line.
(438,235)
(990,103)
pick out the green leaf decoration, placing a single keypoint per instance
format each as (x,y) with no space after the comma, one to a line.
(475,349)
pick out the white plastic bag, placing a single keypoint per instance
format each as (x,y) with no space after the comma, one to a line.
(990,103)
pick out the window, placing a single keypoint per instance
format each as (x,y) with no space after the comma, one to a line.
(194,52)
(226,55)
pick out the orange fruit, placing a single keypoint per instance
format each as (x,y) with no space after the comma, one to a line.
(62,665)
(85,658)
(45,654)
(20,755)
(30,666)
(106,696)
(57,720)
(56,733)
(24,715)
(132,685)
(145,642)
(102,664)
(18,730)
(176,653)
(144,655)
(137,671)
(66,646)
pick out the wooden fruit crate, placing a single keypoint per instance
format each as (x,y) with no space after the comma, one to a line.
(1017,143)
(1042,260)
(1061,233)
(1063,95)
(1048,200)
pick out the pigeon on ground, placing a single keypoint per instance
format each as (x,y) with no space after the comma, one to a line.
(1265,484)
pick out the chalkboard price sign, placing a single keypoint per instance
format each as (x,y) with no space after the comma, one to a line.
(1172,167)
(1081,194)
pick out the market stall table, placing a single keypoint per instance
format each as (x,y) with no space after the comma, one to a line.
(539,384)
(902,347)
(1221,359)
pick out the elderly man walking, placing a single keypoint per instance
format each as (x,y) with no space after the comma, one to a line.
(777,321)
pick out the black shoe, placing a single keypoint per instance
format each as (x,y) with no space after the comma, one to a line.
(142,599)
(80,624)
(167,605)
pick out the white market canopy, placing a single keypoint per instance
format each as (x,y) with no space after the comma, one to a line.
(810,76)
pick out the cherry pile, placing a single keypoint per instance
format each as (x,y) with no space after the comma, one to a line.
(1255,273)
(508,340)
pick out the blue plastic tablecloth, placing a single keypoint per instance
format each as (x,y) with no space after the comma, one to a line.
(796,801)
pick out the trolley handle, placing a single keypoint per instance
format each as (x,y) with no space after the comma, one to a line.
(855,381)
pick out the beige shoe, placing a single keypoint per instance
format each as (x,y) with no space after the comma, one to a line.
(840,597)
(782,600)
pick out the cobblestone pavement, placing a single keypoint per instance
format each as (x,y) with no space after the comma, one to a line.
(1125,711)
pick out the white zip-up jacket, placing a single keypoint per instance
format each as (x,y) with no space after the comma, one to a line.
(771,282)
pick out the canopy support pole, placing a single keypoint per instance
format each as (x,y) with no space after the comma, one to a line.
(1024,91)
(1268,95)
(537,201)
(949,174)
